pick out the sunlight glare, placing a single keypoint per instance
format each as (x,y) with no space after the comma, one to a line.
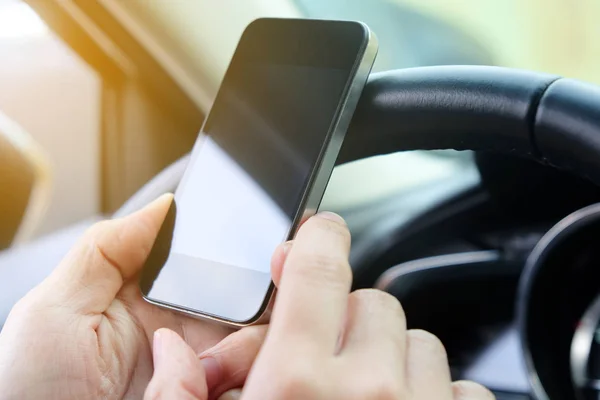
(18,20)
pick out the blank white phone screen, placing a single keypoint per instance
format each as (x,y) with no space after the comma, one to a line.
(241,192)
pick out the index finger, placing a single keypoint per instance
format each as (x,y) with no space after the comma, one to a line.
(315,282)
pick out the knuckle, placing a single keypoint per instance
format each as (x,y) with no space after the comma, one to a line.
(250,337)
(379,390)
(384,302)
(28,305)
(22,306)
(382,384)
(327,268)
(381,299)
(21,311)
(428,342)
(255,333)
(388,392)
(189,389)
(296,384)
(95,235)
(471,390)
(104,241)
(105,233)
(98,228)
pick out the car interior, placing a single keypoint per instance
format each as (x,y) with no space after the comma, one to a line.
(469,177)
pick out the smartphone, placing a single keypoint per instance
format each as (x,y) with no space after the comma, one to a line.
(260,165)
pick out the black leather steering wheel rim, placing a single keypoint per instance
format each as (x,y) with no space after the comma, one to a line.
(542,117)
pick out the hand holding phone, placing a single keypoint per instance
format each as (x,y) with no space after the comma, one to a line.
(261,163)
(323,342)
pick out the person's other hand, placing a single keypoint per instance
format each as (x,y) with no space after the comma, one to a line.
(179,375)
(323,342)
(85,332)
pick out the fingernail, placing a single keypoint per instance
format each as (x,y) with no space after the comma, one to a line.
(157,348)
(287,247)
(231,395)
(212,371)
(165,195)
(332,217)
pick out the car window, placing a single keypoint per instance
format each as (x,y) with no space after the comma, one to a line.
(50,98)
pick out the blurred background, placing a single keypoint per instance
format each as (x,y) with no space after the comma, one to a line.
(96,97)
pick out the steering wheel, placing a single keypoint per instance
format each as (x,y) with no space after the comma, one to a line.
(545,118)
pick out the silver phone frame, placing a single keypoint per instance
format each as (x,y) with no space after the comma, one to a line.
(319,177)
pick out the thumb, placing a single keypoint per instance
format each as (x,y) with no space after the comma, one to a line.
(109,253)
(178,374)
